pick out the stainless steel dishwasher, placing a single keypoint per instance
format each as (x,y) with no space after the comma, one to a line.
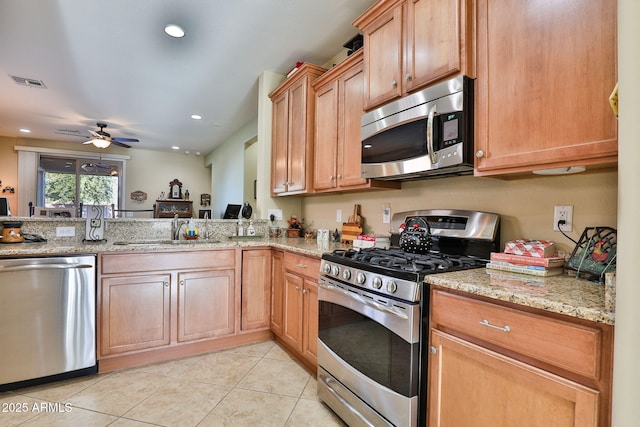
(47,319)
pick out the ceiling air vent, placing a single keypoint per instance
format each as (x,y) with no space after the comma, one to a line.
(29,82)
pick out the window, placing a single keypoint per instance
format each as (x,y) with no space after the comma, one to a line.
(71,182)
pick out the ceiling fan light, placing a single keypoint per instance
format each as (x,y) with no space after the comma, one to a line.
(174,30)
(101,143)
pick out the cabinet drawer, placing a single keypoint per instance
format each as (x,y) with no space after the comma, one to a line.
(153,261)
(302,265)
(573,347)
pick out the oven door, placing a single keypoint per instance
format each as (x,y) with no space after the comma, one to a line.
(368,355)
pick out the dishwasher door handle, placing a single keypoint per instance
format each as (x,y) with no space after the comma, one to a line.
(23,267)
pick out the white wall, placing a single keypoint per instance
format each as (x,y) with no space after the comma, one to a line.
(227,169)
(626,369)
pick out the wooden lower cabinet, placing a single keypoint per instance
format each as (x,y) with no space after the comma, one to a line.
(277,292)
(295,305)
(256,289)
(164,305)
(498,364)
(135,313)
(473,386)
(206,306)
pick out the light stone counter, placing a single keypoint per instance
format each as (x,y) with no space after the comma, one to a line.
(559,294)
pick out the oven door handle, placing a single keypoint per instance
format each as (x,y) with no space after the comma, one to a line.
(364,301)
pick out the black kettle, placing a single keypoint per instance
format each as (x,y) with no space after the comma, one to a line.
(415,236)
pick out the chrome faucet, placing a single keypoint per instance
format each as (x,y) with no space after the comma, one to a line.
(176,225)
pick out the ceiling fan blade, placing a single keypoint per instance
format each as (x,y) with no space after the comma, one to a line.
(120,144)
(88,142)
(96,134)
(125,140)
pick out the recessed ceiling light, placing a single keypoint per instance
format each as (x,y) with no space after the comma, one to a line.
(196,116)
(23,130)
(174,30)
(175,147)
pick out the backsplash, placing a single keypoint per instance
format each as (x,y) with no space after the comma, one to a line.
(128,229)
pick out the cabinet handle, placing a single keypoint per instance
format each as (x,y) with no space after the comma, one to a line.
(433,350)
(479,154)
(394,83)
(301,265)
(486,323)
(181,282)
(407,77)
(166,284)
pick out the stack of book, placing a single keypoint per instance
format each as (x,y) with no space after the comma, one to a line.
(535,266)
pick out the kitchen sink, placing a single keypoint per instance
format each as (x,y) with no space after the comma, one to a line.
(159,242)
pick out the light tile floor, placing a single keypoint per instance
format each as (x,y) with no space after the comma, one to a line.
(253,385)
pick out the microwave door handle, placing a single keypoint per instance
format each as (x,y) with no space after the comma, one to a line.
(432,154)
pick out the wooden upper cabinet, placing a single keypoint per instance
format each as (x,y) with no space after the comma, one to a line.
(545,73)
(339,108)
(410,44)
(292,132)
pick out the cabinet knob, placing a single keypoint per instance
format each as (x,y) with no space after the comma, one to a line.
(331,178)
(297,288)
(339,176)
(479,154)
(394,83)
(407,77)
(305,291)
(166,284)
(433,350)
(181,282)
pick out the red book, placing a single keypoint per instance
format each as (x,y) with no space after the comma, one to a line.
(527,260)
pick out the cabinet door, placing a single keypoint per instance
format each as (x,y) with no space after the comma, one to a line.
(299,136)
(293,310)
(206,304)
(256,289)
(326,137)
(433,48)
(277,293)
(134,313)
(310,321)
(279,143)
(383,58)
(545,73)
(470,385)
(351,103)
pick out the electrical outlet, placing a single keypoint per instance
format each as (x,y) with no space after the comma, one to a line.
(386,215)
(563,213)
(277,214)
(65,231)
(338,215)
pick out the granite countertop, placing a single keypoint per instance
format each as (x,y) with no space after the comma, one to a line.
(566,295)
(299,245)
(560,294)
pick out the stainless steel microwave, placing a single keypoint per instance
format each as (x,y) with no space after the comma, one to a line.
(426,134)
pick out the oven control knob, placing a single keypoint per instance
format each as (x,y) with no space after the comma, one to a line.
(335,270)
(327,268)
(377,282)
(360,278)
(346,274)
(391,286)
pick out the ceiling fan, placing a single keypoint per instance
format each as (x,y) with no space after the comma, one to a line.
(102,139)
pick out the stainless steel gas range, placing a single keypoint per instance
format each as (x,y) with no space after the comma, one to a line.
(373,313)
